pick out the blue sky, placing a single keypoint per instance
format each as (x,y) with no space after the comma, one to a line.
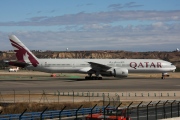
(130,25)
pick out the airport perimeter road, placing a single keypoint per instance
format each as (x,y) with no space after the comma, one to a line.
(107,85)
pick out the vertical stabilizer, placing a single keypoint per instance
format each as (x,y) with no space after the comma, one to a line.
(23,54)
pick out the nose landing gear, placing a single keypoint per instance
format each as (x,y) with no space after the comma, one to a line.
(164,75)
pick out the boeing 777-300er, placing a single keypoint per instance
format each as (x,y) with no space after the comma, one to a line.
(100,67)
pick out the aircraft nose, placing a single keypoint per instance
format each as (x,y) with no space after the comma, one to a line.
(173,68)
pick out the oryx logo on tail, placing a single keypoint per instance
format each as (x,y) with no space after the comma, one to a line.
(23,54)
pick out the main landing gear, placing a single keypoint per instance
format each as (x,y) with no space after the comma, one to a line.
(93,78)
(90,77)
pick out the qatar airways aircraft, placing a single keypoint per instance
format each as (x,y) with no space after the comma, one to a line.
(100,67)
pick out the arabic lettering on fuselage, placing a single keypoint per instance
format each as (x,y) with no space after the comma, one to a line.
(136,65)
(116,62)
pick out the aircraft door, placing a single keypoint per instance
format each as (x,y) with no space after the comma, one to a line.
(73,65)
(45,64)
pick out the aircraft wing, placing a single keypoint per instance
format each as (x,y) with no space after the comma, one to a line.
(96,66)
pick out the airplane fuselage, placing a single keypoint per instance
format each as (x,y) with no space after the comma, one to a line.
(82,65)
(104,67)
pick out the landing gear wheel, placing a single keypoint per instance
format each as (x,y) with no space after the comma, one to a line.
(93,78)
(99,78)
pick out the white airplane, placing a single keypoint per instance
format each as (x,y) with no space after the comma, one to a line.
(13,69)
(100,67)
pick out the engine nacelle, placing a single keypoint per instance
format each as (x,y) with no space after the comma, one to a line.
(116,72)
(120,72)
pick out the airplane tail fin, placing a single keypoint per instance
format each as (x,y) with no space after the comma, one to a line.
(23,54)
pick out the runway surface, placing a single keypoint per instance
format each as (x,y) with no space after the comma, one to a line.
(134,86)
(80,85)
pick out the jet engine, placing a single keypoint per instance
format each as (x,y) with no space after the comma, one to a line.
(120,72)
(116,72)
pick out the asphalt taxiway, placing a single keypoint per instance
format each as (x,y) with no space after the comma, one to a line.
(106,85)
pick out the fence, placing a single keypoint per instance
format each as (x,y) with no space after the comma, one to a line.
(45,114)
(150,111)
(155,110)
(44,97)
(59,96)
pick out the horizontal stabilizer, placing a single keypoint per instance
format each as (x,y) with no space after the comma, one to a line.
(17,63)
